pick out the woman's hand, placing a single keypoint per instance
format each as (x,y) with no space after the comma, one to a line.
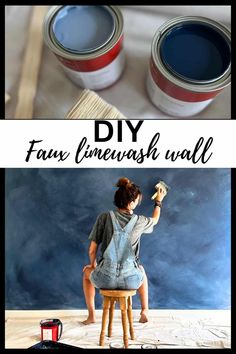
(161,193)
(89,266)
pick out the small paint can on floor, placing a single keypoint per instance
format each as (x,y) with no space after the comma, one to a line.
(88,42)
(51,329)
(190,64)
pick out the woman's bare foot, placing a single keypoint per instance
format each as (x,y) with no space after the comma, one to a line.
(89,320)
(144,316)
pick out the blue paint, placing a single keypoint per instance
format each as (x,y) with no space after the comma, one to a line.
(83,29)
(195,52)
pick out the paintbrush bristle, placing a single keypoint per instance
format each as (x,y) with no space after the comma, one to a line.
(90,105)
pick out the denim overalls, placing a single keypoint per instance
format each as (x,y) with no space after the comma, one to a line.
(118,268)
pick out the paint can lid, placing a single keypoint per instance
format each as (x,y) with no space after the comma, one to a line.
(149,346)
(134,346)
(116,345)
(83,29)
(196,52)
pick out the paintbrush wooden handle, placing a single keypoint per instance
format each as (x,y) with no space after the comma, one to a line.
(154,196)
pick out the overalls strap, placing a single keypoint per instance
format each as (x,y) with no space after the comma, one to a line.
(128,227)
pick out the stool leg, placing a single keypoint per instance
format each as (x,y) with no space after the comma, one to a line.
(123,307)
(111,315)
(130,317)
(106,305)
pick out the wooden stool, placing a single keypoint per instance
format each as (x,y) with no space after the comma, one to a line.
(124,298)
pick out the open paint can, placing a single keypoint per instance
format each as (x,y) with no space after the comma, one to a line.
(51,329)
(190,64)
(88,42)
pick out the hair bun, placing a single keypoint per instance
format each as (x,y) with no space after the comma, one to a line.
(122,182)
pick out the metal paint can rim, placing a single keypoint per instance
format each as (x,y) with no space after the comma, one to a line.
(50,322)
(218,84)
(61,51)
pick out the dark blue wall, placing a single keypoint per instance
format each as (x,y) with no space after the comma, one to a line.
(50,212)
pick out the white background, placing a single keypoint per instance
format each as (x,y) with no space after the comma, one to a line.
(66,134)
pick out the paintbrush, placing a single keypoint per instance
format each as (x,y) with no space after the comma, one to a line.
(163,185)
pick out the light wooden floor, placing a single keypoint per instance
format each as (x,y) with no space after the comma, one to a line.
(166,328)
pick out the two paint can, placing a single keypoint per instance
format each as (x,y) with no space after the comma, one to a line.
(51,329)
(88,41)
(190,56)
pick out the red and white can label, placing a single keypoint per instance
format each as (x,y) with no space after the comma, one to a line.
(101,78)
(47,334)
(170,105)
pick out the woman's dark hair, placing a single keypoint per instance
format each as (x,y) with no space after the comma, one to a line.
(126,193)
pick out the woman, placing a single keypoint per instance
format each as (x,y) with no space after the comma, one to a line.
(118,233)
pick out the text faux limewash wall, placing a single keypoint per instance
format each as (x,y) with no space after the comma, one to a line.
(50,212)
